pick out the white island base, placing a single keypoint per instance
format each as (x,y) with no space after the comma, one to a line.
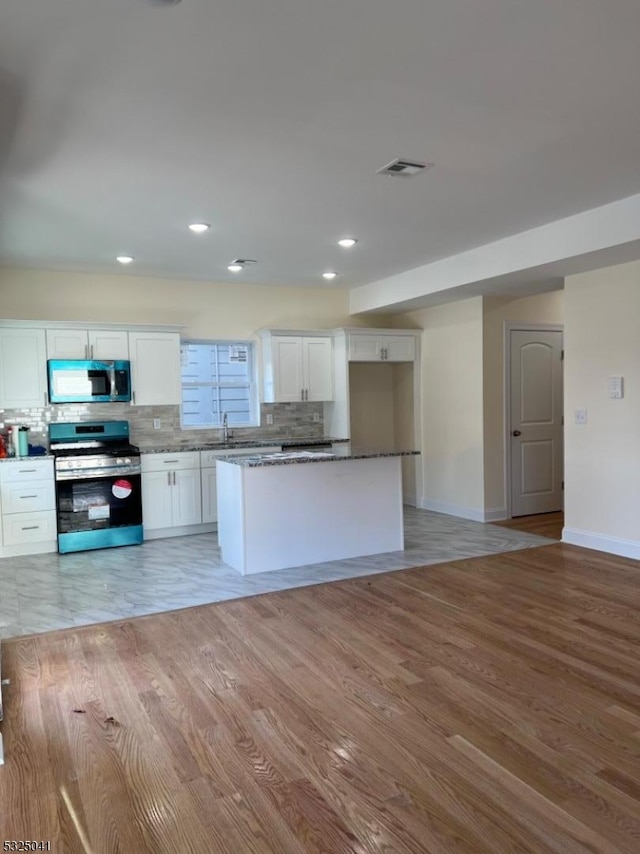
(278,516)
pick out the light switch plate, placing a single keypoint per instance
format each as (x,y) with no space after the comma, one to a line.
(156,423)
(316,417)
(616,388)
(269,419)
(581,416)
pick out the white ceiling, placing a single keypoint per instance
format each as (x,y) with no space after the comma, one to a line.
(121,122)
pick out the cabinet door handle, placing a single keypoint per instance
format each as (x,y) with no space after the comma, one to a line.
(29,527)
(91,351)
(133,397)
(174,478)
(28,496)
(45,398)
(168,478)
(26,471)
(168,462)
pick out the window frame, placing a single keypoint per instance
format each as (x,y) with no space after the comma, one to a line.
(254,405)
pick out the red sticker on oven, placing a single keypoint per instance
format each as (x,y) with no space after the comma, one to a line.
(122,488)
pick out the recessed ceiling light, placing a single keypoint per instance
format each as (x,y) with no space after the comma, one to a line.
(329,275)
(235,268)
(124,259)
(199,227)
(347,242)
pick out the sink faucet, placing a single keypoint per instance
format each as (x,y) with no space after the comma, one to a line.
(225,426)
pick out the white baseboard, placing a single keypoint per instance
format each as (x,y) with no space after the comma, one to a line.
(410,499)
(475,514)
(613,545)
(450,509)
(180,531)
(496,514)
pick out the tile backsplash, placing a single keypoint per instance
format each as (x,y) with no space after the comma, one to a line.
(294,420)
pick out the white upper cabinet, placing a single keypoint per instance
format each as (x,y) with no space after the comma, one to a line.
(382,347)
(23,368)
(155,368)
(87,344)
(286,354)
(317,368)
(297,368)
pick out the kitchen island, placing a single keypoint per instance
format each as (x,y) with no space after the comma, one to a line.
(286,509)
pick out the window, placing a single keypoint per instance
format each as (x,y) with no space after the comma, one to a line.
(217,377)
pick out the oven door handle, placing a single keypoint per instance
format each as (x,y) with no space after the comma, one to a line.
(93,474)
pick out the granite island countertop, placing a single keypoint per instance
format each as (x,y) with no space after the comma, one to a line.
(233,444)
(296,457)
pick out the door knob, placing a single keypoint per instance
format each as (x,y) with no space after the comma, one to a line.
(516,433)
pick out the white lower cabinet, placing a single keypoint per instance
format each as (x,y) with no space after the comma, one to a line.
(209,490)
(171,493)
(28,501)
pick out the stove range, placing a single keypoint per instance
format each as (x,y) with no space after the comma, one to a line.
(98,485)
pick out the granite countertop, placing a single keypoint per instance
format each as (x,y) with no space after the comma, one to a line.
(232,444)
(28,458)
(294,457)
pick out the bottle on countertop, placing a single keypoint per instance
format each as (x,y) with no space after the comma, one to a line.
(23,441)
(11,450)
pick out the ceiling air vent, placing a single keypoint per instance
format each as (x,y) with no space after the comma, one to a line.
(404,168)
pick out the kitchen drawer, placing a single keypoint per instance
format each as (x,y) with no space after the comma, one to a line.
(208,458)
(171,462)
(28,496)
(21,528)
(28,468)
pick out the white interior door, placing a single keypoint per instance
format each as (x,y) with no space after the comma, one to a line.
(536,422)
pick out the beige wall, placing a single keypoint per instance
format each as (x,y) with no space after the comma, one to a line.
(371,405)
(452,405)
(544,308)
(404,425)
(602,457)
(205,309)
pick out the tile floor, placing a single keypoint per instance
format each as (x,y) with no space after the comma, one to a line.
(53,591)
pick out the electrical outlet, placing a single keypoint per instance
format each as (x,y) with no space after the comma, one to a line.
(156,423)
(269,419)
(581,416)
(316,417)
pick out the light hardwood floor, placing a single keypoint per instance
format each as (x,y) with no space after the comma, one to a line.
(486,705)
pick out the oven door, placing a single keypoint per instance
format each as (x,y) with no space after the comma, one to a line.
(96,511)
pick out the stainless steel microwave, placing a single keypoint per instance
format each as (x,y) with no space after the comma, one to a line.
(88,381)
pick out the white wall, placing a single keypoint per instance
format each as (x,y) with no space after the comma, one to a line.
(452,406)
(602,457)
(545,308)
(205,309)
